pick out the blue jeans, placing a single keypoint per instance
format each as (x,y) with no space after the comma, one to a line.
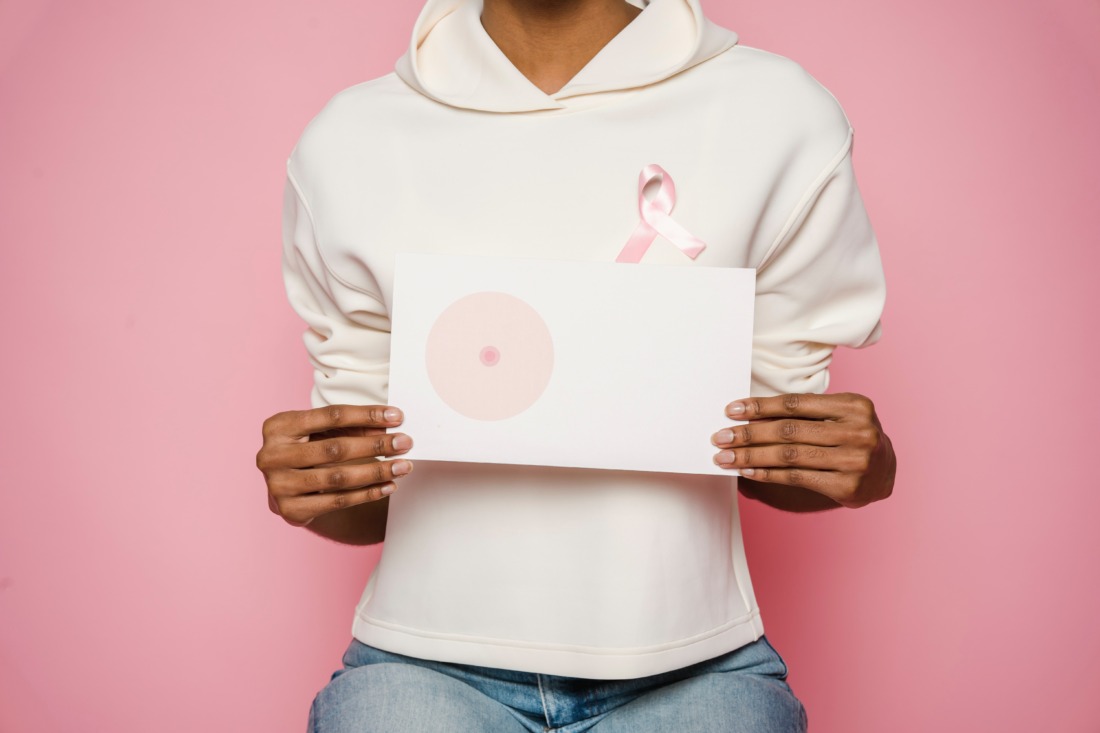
(744,691)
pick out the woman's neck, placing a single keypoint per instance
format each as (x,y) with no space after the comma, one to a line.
(549,41)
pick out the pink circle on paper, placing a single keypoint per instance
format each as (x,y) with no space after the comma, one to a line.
(489,356)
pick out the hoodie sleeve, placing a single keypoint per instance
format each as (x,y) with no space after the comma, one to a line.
(348,334)
(820,286)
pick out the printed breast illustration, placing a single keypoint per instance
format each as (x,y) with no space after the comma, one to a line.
(489,355)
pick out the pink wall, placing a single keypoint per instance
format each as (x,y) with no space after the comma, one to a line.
(143,583)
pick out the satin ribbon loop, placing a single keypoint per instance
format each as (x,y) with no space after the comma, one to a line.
(656,218)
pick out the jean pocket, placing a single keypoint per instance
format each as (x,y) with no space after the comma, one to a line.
(778,657)
(352,655)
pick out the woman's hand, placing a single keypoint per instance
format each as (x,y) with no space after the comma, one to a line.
(325,459)
(831,444)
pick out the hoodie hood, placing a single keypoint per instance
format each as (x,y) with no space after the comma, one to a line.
(452,59)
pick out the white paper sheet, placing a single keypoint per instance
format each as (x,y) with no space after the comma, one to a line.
(562,363)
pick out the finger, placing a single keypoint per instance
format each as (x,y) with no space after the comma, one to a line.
(297,424)
(337,450)
(814,457)
(301,510)
(840,487)
(296,482)
(812,406)
(809,432)
(823,482)
(356,432)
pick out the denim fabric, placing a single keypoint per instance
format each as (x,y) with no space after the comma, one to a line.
(744,691)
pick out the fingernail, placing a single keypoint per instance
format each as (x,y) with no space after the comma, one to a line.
(722,436)
(400,468)
(387,489)
(735,409)
(726,456)
(392,414)
(748,472)
(402,442)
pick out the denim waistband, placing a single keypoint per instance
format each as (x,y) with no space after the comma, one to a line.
(562,702)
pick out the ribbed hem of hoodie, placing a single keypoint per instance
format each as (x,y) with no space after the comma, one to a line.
(561,660)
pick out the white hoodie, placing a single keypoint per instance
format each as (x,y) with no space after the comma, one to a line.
(577,572)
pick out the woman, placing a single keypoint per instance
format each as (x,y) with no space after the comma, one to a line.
(513,598)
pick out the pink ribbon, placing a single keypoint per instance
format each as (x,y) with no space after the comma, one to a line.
(657,219)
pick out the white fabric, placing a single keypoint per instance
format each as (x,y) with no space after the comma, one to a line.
(586,573)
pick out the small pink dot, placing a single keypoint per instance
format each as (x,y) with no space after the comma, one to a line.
(490,356)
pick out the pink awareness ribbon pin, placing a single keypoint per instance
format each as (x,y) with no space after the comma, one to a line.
(656,219)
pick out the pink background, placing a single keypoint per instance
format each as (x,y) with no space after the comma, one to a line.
(145,586)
